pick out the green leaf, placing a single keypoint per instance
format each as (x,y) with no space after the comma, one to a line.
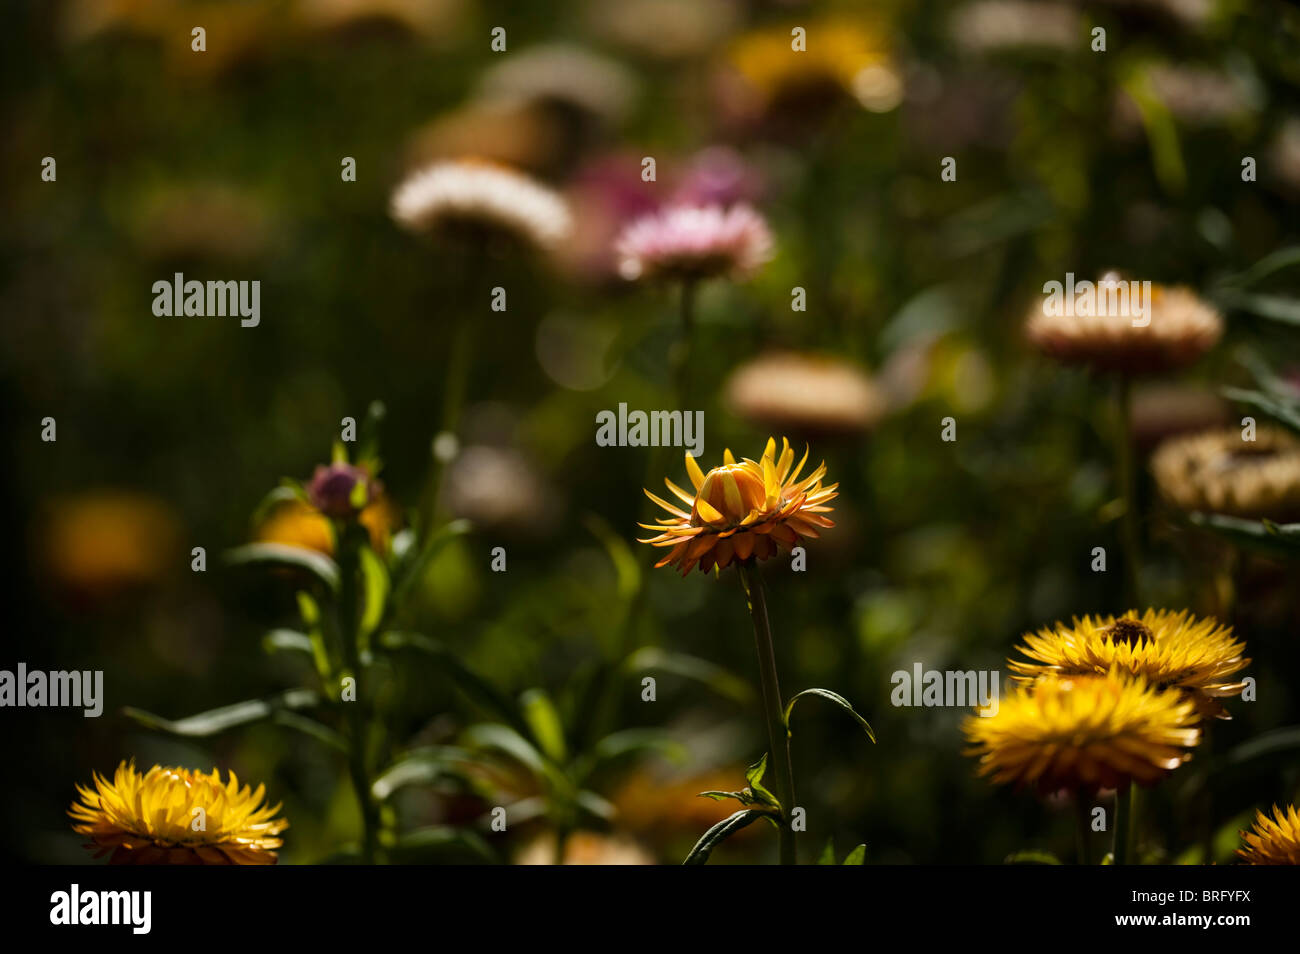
(359,496)
(1286,412)
(827,856)
(502,738)
(287,640)
(284,556)
(288,492)
(1277,308)
(754,775)
(720,680)
(834,697)
(412,571)
(1282,741)
(418,767)
(858,856)
(745,796)
(438,841)
(617,745)
(227,717)
(1277,539)
(544,722)
(301,723)
(1031,858)
(374,576)
(463,677)
(596,806)
(1271,263)
(1162,132)
(627,569)
(308,609)
(721,832)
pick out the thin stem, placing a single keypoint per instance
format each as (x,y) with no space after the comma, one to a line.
(455,387)
(561,846)
(1124,805)
(1134,822)
(351,537)
(777,737)
(1127,474)
(1083,828)
(684,346)
(1205,753)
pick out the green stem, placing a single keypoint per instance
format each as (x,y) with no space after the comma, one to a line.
(1125,805)
(777,736)
(561,844)
(352,537)
(1134,822)
(684,346)
(1083,828)
(455,387)
(1129,529)
(1205,753)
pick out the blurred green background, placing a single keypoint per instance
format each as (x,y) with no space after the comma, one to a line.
(226,165)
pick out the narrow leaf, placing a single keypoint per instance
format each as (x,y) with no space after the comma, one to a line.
(284,556)
(1281,540)
(462,676)
(544,722)
(721,832)
(219,720)
(834,697)
(720,680)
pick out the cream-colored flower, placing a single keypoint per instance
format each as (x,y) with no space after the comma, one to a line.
(1219,472)
(563,74)
(994,25)
(481,197)
(1178,328)
(805,392)
(586,848)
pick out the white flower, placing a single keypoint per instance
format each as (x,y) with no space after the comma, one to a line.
(478,194)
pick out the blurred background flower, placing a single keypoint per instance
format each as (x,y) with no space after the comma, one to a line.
(897,301)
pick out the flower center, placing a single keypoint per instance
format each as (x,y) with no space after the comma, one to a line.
(1129,631)
(733,490)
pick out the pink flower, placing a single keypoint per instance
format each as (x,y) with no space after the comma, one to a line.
(689,242)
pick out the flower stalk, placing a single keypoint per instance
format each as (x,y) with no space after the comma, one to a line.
(777,736)
(351,538)
(1127,475)
(684,347)
(1125,804)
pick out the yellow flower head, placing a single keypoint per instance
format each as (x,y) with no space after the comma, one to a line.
(1168,649)
(105,541)
(742,510)
(298,524)
(152,818)
(840,55)
(1084,733)
(1273,841)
